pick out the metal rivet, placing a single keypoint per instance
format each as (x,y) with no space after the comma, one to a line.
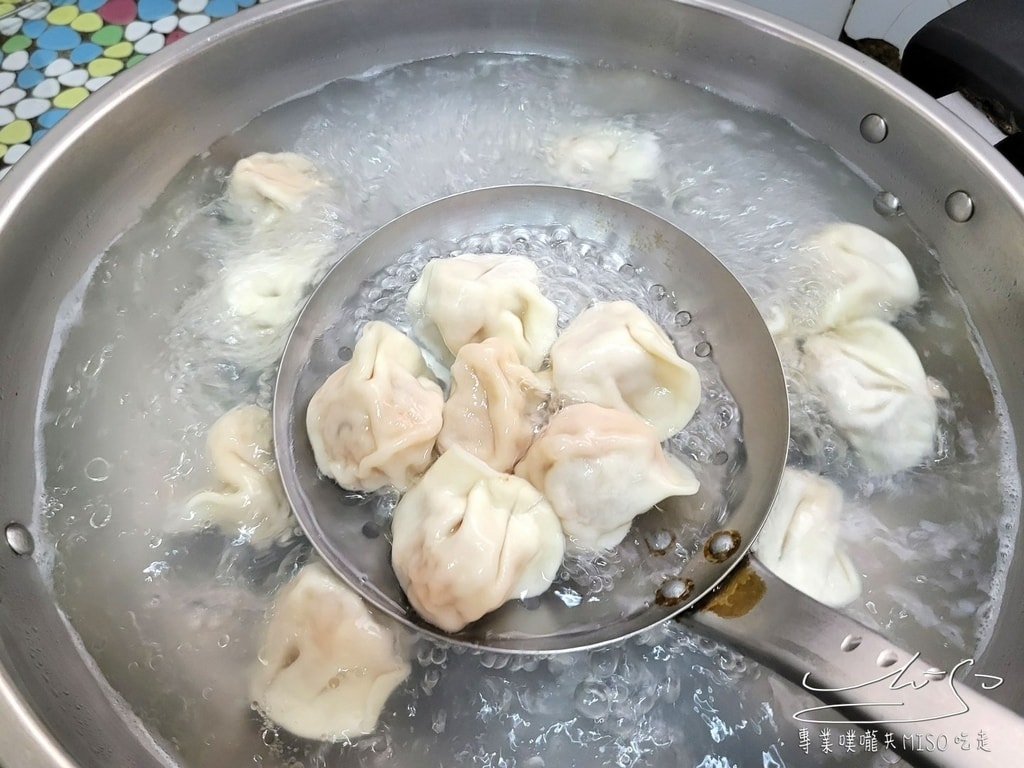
(874,128)
(19,539)
(960,206)
(673,592)
(887,204)
(887,658)
(721,545)
(850,643)
(934,673)
(702,349)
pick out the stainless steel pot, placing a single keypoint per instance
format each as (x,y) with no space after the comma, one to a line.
(54,709)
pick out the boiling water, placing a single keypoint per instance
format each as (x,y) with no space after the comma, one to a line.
(144,360)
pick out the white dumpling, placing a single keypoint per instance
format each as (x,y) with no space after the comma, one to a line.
(265,185)
(606,158)
(263,295)
(494,406)
(800,544)
(326,666)
(469,298)
(467,538)
(862,275)
(375,420)
(252,502)
(875,391)
(600,468)
(614,355)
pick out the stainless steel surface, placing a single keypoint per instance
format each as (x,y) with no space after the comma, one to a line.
(76,191)
(860,674)
(960,206)
(723,314)
(874,128)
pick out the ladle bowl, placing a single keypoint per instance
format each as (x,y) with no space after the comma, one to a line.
(712,531)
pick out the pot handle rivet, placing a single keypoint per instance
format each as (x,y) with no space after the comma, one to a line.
(19,539)
(874,128)
(959,206)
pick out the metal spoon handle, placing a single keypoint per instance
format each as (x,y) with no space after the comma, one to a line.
(935,717)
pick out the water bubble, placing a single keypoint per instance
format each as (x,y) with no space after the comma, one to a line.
(591,699)
(223,640)
(100,515)
(97,469)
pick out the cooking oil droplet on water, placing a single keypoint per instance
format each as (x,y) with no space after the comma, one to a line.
(97,469)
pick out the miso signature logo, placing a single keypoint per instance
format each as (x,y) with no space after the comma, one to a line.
(932,693)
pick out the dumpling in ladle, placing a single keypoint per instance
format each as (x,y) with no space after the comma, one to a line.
(469,298)
(265,185)
(799,542)
(326,666)
(616,356)
(375,420)
(600,468)
(467,539)
(876,393)
(252,502)
(606,158)
(494,406)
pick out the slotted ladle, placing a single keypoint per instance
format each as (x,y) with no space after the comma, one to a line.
(712,582)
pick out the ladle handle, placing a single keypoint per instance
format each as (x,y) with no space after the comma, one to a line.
(863,678)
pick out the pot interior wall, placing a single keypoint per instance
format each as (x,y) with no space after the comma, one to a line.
(97,172)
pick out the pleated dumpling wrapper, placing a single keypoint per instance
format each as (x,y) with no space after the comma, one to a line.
(800,544)
(600,468)
(326,666)
(375,420)
(875,392)
(264,294)
(615,356)
(467,539)
(252,502)
(495,405)
(863,275)
(464,299)
(607,158)
(265,185)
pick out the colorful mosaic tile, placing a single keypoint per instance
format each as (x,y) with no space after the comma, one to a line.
(54,54)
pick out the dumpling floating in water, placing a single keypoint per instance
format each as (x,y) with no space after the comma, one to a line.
(469,298)
(600,468)
(252,502)
(467,539)
(799,542)
(264,295)
(326,666)
(265,185)
(862,274)
(375,420)
(494,406)
(616,356)
(606,158)
(876,393)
